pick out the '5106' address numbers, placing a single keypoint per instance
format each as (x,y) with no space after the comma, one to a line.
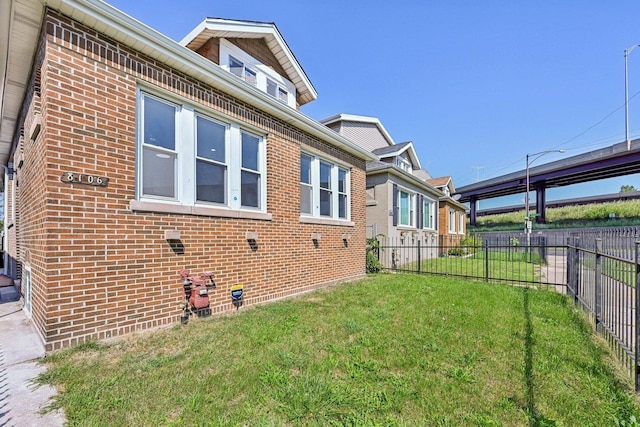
(81,178)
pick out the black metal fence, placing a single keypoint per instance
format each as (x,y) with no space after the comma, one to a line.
(504,259)
(598,268)
(604,282)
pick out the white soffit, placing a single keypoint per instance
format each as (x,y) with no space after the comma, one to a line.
(19,28)
(18,42)
(224,28)
(342,117)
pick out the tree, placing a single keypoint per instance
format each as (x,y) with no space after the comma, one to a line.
(627,188)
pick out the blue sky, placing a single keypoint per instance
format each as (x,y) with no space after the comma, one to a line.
(475,85)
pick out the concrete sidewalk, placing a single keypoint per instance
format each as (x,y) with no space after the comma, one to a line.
(21,400)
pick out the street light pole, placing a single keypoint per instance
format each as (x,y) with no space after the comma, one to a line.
(626,94)
(527,220)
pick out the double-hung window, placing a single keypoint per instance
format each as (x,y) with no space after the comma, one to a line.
(461,220)
(250,174)
(211,160)
(159,134)
(427,214)
(452,221)
(190,158)
(406,208)
(404,164)
(324,188)
(260,75)
(238,68)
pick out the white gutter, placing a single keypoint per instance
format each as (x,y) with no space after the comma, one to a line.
(197,66)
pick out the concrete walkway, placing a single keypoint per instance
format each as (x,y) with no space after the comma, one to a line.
(21,400)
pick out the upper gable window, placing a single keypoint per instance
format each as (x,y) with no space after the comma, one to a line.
(238,68)
(249,69)
(404,164)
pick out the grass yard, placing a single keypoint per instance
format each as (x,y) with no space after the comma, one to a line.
(390,350)
(578,216)
(503,265)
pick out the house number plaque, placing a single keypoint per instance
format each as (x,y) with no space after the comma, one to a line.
(85,179)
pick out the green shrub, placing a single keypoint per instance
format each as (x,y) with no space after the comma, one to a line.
(457,251)
(373,250)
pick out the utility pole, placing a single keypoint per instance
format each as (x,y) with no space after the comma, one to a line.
(478,169)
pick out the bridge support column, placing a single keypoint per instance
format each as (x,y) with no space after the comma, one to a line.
(541,203)
(472,211)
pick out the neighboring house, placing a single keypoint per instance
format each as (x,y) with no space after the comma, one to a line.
(400,204)
(131,156)
(452,214)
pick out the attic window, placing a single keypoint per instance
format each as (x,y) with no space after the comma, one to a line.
(262,76)
(283,95)
(404,164)
(238,68)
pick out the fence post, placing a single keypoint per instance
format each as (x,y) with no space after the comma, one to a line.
(576,275)
(485,247)
(571,286)
(637,319)
(598,286)
(419,252)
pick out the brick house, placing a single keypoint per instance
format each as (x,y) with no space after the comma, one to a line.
(130,156)
(401,206)
(452,214)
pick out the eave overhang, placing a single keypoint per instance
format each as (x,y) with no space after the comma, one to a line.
(21,37)
(225,28)
(342,117)
(402,175)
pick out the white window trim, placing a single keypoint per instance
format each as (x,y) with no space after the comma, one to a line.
(412,208)
(461,220)
(27,287)
(452,221)
(431,203)
(185,200)
(263,72)
(315,216)
(404,164)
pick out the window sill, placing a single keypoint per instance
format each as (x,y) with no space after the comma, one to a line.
(159,207)
(326,221)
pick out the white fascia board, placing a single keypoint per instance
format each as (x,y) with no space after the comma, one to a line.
(202,69)
(5,32)
(341,117)
(227,25)
(417,182)
(413,155)
(263,28)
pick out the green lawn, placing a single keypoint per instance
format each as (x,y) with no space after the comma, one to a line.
(390,350)
(509,265)
(626,213)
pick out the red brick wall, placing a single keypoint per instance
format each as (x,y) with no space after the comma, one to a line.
(447,237)
(100,269)
(258,49)
(211,50)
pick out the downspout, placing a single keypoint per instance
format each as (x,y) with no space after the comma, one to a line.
(5,239)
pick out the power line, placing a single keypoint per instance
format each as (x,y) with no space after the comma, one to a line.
(574,137)
(477,168)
